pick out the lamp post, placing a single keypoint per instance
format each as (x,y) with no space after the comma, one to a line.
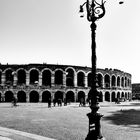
(95,11)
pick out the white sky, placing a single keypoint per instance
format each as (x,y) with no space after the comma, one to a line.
(51,31)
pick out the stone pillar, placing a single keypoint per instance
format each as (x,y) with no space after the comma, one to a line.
(27,97)
(52,79)
(86,81)
(40,97)
(40,79)
(27,78)
(103,82)
(15,79)
(3,79)
(64,79)
(75,80)
(103,96)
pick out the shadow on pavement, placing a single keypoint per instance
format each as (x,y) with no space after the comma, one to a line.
(129,118)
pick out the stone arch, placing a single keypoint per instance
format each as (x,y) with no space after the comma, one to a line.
(59,77)
(122,81)
(107,81)
(113,97)
(34,96)
(9,96)
(46,77)
(81,95)
(118,95)
(9,78)
(21,96)
(70,96)
(46,95)
(80,79)
(126,95)
(113,81)
(100,80)
(118,81)
(89,79)
(107,96)
(21,76)
(123,94)
(59,95)
(34,76)
(69,77)
(100,96)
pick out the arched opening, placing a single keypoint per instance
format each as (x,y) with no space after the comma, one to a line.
(100,97)
(80,79)
(89,79)
(59,77)
(69,77)
(9,96)
(100,80)
(125,81)
(21,76)
(126,95)
(70,96)
(58,95)
(34,76)
(118,81)
(46,78)
(9,77)
(46,95)
(122,94)
(113,97)
(118,95)
(21,96)
(34,96)
(107,81)
(113,83)
(122,82)
(107,96)
(81,95)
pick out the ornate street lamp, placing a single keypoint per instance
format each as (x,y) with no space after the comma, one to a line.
(95,11)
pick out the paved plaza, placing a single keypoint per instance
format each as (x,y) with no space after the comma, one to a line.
(35,121)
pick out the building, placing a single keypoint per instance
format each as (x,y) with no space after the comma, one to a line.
(136,91)
(39,82)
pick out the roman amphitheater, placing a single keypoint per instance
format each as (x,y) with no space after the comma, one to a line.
(39,82)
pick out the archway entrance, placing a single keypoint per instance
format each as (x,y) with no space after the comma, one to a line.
(58,95)
(9,96)
(107,96)
(21,96)
(81,95)
(70,96)
(34,96)
(113,97)
(45,96)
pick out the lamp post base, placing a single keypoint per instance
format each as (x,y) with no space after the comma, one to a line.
(94,124)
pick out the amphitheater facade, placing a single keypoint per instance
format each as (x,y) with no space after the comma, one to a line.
(39,82)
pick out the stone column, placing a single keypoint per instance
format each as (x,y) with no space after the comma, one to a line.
(52,79)
(64,79)
(40,97)
(27,97)
(103,82)
(27,78)
(3,79)
(40,79)
(15,79)
(75,80)
(86,81)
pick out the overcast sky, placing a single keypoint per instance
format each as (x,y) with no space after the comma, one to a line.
(51,31)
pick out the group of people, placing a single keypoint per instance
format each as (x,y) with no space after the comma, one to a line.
(58,101)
